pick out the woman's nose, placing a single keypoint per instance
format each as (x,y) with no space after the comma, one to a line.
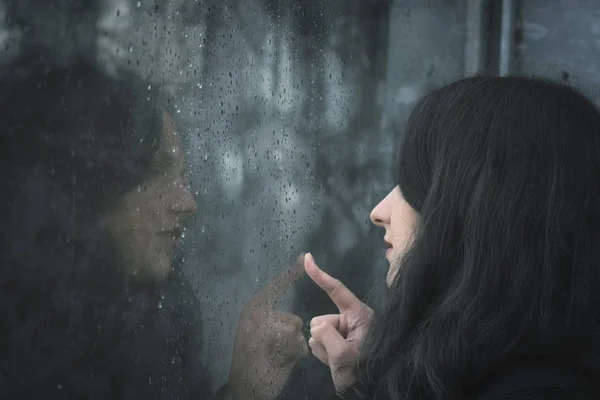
(381,214)
(376,216)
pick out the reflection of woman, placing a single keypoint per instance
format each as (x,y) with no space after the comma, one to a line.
(494,244)
(92,176)
(95,197)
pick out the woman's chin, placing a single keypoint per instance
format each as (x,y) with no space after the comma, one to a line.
(154,271)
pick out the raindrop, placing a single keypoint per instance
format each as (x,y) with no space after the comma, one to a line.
(139,4)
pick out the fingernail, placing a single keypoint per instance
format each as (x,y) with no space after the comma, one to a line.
(309,258)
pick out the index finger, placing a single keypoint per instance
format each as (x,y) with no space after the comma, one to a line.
(279,285)
(343,298)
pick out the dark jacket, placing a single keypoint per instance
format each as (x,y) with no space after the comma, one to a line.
(158,358)
(541,379)
(538,379)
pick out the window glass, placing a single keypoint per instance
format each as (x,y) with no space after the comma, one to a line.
(165,161)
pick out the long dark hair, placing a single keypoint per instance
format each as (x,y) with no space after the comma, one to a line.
(504,174)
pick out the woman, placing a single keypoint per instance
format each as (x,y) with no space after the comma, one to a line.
(493,231)
(93,204)
(82,166)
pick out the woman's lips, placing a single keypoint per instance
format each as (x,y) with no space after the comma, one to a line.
(387,243)
(173,233)
(390,248)
(177,232)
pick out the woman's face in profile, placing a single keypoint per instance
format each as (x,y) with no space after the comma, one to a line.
(398,219)
(148,220)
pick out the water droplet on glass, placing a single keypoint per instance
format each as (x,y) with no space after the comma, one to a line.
(139,4)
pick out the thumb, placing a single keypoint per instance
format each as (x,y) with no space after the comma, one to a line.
(333,342)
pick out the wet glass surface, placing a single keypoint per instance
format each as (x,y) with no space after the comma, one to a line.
(164,164)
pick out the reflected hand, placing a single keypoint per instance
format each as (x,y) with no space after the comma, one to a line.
(336,338)
(268,343)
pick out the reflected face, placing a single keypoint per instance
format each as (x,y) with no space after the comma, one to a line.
(399,220)
(148,220)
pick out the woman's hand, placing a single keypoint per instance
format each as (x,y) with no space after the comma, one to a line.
(336,338)
(268,343)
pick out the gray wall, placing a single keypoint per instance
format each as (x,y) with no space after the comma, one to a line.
(561,40)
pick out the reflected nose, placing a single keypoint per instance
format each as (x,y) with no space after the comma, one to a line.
(184,203)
